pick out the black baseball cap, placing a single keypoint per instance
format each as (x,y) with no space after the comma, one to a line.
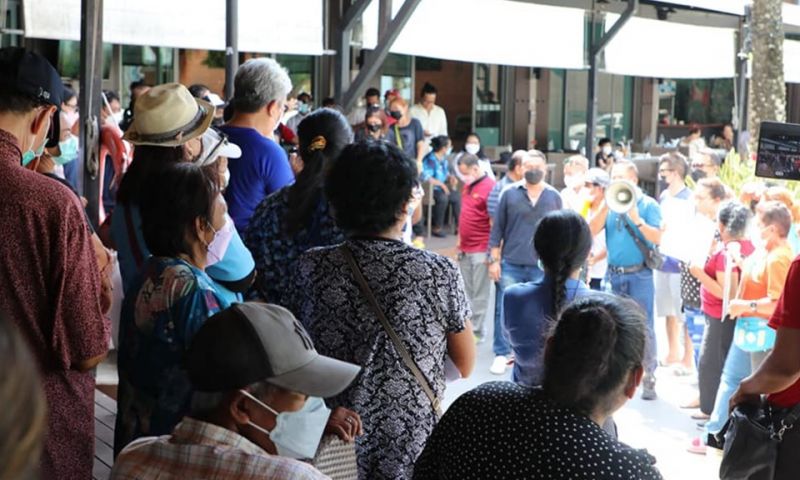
(30,74)
(252,342)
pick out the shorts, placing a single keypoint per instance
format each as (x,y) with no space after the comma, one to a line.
(668,294)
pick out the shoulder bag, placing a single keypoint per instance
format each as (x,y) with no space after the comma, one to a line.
(336,459)
(752,438)
(398,344)
(653,259)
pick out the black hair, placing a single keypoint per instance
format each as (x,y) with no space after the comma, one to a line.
(14,101)
(137,84)
(147,161)
(603,141)
(593,346)
(304,97)
(197,89)
(511,162)
(439,142)
(67,94)
(369,185)
(172,201)
(372,92)
(734,217)
(111,95)
(480,153)
(428,88)
(329,102)
(305,194)
(562,241)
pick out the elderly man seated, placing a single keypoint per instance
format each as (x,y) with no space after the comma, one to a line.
(257,407)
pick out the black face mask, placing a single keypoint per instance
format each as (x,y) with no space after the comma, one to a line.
(662,184)
(534,177)
(698,174)
(373,127)
(396,114)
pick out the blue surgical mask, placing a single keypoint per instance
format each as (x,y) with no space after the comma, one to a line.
(28,156)
(69,150)
(296,434)
(303,108)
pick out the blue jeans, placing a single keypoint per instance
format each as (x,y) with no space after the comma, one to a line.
(736,369)
(639,287)
(511,274)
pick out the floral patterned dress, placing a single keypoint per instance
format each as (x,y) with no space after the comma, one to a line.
(162,311)
(276,252)
(422,295)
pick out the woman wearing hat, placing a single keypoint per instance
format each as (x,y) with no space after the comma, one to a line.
(172,126)
(297,218)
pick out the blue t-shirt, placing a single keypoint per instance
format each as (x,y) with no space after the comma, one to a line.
(528,309)
(622,248)
(262,169)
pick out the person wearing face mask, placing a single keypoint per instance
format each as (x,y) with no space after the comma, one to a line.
(298,217)
(436,171)
(605,156)
(763,278)
(261,87)
(705,164)
(52,299)
(373,127)
(597,181)
(254,415)
(406,132)
(474,226)
(372,99)
(627,271)
(303,109)
(161,112)
(512,259)
(676,209)
(472,145)
(575,168)
(183,216)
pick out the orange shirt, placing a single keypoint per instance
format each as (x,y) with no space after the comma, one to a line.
(765,275)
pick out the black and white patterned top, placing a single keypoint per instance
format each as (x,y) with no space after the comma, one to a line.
(504,430)
(422,295)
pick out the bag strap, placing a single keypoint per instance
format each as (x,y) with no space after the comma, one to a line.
(639,243)
(792,417)
(398,344)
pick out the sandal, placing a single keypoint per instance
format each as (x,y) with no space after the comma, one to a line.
(691,404)
(700,416)
(697,447)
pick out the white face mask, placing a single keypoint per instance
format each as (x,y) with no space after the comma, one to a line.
(118,116)
(226,178)
(573,181)
(472,148)
(607,150)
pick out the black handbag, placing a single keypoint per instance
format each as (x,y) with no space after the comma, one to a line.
(752,437)
(690,288)
(653,259)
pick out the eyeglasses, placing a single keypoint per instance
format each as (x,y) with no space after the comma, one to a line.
(702,165)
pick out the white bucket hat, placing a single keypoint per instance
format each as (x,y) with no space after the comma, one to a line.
(168,116)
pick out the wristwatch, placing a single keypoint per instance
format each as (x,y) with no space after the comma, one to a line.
(493,260)
(753,306)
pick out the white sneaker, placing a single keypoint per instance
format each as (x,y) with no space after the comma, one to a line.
(499,365)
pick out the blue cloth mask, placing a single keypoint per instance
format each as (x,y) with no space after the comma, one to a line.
(69,150)
(296,434)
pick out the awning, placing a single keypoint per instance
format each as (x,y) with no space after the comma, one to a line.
(662,49)
(498,32)
(268,26)
(735,7)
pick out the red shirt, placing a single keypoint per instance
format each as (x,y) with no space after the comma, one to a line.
(787,315)
(473,222)
(712,305)
(50,288)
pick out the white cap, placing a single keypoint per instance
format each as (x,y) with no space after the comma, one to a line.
(216,145)
(215,100)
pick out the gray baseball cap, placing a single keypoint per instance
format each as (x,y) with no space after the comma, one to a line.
(251,342)
(597,176)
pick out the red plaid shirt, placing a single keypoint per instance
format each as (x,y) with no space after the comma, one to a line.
(203,450)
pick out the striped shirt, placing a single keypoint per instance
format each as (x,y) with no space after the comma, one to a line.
(203,450)
(494,196)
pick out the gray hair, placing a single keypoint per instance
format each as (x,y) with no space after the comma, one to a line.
(258,82)
(468,160)
(734,216)
(203,403)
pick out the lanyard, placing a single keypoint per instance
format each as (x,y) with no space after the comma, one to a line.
(398,137)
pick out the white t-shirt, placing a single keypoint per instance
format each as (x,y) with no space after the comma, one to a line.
(598,270)
(677,212)
(433,122)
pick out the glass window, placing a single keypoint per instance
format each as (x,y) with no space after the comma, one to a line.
(301,72)
(69,59)
(396,73)
(704,101)
(153,65)
(488,111)
(12,16)
(555,116)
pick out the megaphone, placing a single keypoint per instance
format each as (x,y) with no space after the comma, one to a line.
(621,196)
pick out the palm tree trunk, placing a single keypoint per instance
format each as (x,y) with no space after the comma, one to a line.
(767,88)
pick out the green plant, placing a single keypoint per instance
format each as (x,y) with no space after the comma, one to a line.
(736,172)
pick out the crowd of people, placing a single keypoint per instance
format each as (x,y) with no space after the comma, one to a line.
(270,310)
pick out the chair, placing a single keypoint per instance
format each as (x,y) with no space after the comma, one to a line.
(428,201)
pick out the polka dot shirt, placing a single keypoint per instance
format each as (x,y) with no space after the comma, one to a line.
(502,430)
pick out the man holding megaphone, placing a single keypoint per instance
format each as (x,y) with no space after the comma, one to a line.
(632,222)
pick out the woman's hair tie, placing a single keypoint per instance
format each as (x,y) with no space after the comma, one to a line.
(318,143)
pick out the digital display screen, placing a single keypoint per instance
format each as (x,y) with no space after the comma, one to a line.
(779,151)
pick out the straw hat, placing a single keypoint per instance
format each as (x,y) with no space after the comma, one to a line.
(168,116)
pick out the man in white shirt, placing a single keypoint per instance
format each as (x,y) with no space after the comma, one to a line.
(575,168)
(430,115)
